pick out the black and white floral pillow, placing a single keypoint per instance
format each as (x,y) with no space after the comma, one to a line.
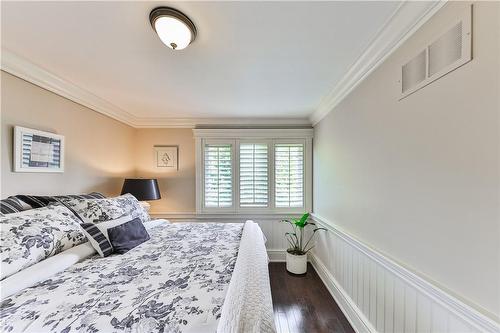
(31,236)
(102,210)
(97,215)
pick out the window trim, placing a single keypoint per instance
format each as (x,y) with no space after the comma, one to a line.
(237,136)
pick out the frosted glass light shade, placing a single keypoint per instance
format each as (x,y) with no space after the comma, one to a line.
(175,29)
(173,33)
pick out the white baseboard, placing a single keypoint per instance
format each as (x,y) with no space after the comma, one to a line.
(276,255)
(280,256)
(355,317)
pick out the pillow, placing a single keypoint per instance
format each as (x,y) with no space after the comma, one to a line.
(128,235)
(37,201)
(101,210)
(118,235)
(29,237)
(11,205)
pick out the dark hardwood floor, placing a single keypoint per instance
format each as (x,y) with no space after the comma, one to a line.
(303,304)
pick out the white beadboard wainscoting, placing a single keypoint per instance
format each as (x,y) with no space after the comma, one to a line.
(378,295)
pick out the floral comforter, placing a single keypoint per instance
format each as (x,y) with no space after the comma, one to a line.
(175,282)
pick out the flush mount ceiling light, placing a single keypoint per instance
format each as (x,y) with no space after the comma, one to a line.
(174,28)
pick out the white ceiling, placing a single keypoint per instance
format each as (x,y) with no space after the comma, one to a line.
(250,59)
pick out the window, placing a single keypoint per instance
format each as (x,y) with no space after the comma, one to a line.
(218,175)
(289,174)
(254,177)
(253,171)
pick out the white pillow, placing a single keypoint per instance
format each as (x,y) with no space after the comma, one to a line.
(31,236)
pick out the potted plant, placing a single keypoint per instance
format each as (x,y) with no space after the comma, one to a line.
(296,254)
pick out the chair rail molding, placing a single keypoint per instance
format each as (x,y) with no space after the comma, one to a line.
(222,216)
(379,295)
(404,22)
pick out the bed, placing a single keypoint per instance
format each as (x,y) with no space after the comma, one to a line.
(189,277)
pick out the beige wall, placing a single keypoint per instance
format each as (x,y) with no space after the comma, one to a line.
(98,148)
(100,151)
(177,187)
(418,179)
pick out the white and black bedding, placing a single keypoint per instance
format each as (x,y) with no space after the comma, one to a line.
(188,277)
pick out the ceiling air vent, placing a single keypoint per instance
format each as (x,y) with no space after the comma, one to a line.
(448,52)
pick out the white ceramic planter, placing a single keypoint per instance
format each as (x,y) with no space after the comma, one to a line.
(296,264)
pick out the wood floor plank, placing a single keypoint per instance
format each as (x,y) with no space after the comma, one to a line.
(303,304)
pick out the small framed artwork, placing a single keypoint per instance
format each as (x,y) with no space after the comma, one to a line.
(37,151)
(167,157)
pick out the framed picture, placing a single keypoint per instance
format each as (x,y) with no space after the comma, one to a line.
(167,157)
(37,151)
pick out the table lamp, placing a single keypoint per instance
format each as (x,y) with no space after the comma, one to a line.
(142,189)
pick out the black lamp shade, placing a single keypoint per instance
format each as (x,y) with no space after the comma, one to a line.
(142,189)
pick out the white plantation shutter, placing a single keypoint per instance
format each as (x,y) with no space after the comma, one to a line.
(218,175)
(258,171)
(254,180)
(289,174)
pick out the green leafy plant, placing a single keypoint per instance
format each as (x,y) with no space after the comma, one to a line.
(296,238)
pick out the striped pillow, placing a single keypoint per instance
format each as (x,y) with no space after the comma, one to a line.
(96,237)
(11,205)
(92,195)
(97,233)
(38,201)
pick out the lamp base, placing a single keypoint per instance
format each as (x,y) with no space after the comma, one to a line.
(145,205)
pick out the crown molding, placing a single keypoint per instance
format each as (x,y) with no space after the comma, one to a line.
(253,133)
(404,22)
(220,122)
(28,71)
